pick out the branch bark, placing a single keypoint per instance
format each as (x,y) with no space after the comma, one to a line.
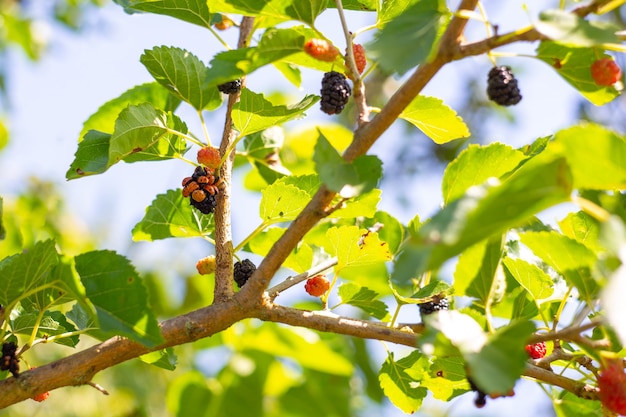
(223,230)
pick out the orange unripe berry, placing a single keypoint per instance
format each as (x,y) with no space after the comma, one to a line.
(206,266)
(317,285)
(209,157)
(321,50)
(605,72)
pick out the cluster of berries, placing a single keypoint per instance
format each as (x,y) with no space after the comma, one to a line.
(437,303)
(201,189)
(242,271)
(9,361)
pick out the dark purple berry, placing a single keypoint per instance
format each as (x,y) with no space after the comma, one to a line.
(502,86)
(436,304)
(9,361)
(231,87)
(242,271)
(335,92)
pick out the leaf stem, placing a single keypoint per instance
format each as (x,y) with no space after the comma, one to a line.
(204,128)
(248,238)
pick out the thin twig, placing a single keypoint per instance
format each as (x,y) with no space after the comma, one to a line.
(291,281)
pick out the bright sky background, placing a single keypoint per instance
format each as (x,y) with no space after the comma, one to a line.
(52,98)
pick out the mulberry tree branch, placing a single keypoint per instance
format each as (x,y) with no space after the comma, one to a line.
(223,231)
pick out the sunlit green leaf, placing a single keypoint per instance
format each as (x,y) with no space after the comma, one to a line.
(254,113)
(277,10)
(568,404)
(117,292)
(27,271)
(538,284)
(399,387)
(590,146)
(363,298)
(282,202)
(171,215)
(436,120)
(165,359)
(482,212)
(583,228)
(192,11)
(299,260)
(477,273)
(92,155)
(446,378)
(475,165)
(183,74)
(355,247)
(143,133)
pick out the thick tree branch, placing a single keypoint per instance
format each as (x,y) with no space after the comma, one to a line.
(223,231)
(328,322)
(579,389)
(79,368)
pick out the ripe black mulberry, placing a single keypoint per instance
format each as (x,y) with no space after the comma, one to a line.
(231,87)
(335,92)
(9,361)
(502,86)
(436,304)
(242,271)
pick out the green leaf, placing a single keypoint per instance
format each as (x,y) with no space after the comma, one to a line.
(569,404)
(583,228)
(117,292)
(26,271)
(299,260)
(573,65)
(363,298)
(436,120)
(347,179)
(183,74)
(501,361)
(52,323)
(92,155)
(446,378)
(275,45)
(482,212)
(171,215)
(419,25)
(308,350)
(570,30)
(254,113)
(477,273)
(103,119)
(392,231)
(355,247)
(475,165)
(398,386)
(278,10)
(589,147)
(538,284)
(2,230)
(568,257)
(143,133)
(164,358)
(192,11)
(281,202)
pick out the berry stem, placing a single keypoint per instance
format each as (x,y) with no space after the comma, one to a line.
(204,128)
(252,234)
(189,138)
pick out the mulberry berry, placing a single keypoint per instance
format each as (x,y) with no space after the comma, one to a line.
(612,384)
(9,361)
(335,92)
(231,87)
(502,86)
(206,266)
(481,397)
(242,271)
(201,189)
(42,397)
(359,58)
(605,72)
(321,49)
(316,286)
(537,350)
(436,304)
(209,157)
